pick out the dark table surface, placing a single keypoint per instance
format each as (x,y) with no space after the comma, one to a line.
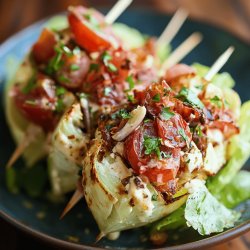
(233,15)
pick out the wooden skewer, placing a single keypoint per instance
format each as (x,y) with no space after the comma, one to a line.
(219,63)
(29,136)
(117,10)
(179,53)
(77,196)
(173,27)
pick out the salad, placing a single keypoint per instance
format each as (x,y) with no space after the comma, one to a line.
(155,146)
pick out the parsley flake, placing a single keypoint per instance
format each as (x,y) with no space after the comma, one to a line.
(182,133)
(152,145)
(74,67)
(131,82)
(187,95)
(166,114)
(156,98)
(216,101)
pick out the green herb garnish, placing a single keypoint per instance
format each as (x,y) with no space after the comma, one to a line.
(182,133)
(74,67)
(93,67)
(157,97)
(60,91)
(166,113)
(131,82)
(152,145)
(216,101)
(188,96)
(107,90)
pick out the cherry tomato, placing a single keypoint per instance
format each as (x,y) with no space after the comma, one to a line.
(174,132)
(43,49)
(90,30)
(74,70)
(38,105)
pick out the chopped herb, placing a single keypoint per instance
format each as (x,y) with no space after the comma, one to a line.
(74,67)
(147,120)
(55,63)
(156,98)
(182,133)
(66,50)
(112,67)
(93,67)
(30,102)
(131,82)
(216,101)
(198,131)
(187,95)
(60,106)
(165,155)
(152,145)
(60,91)
(131,98)
(63,79)
(106,57)
(107,90)
(154,197)
(166,113)
(31,84)
(124,114)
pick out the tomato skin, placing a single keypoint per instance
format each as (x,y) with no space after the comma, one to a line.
(85,36)
(43,49)
(38,105)
(73,79)
(170,132)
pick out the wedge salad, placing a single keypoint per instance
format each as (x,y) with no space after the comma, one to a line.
(142,146)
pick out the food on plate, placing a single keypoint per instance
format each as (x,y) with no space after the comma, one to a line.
(156,146)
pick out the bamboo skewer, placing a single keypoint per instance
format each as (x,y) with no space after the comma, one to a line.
(219,63)
(180,52)
(117,10)
(29,136)
(77,196)
(173,27)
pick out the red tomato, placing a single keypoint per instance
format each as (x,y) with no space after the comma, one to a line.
(174,132)
(178,70)
(74,70)
(158,171)
(92,37)
(43,49)
(38,105)
(134,148)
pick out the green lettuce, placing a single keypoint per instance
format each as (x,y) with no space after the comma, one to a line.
(222,80)
(206,214)
(131,38)
(238,153)
(237,191)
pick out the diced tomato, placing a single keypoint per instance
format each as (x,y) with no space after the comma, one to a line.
(43,49)
(38,105)
(92,37)
(227,128)
(174,132)
(178,70)
(74,70)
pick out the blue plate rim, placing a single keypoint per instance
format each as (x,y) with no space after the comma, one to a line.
(213,240)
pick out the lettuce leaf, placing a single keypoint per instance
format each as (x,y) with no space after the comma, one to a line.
(206,214)
(173,221)
(222,80)
(57,23)
(132,38)
(236,191)
(238,153)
